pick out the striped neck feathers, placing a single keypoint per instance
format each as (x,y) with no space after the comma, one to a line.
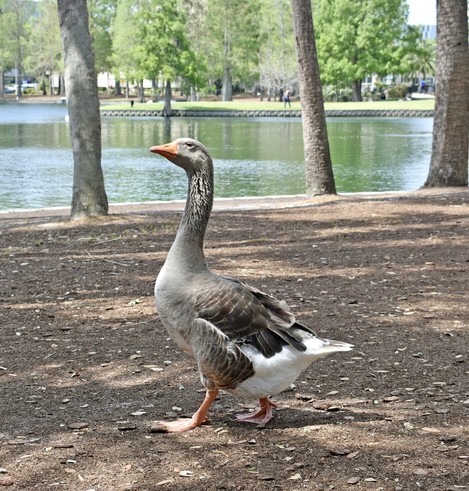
(199,203)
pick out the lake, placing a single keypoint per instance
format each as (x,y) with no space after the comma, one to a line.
(253,156)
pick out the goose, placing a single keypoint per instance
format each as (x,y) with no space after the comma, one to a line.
(244,341)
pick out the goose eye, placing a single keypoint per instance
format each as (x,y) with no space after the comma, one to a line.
(189,145)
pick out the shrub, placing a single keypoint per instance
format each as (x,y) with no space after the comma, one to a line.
(397,91)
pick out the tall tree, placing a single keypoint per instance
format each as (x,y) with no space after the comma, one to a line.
(6,42)
(164,49)
(277,61)
(421,61)
(318,165)
(125,42)
(22,14)
(102,13)
(89,196)
(356,39)
(45,37)
(448,165)
(234,39)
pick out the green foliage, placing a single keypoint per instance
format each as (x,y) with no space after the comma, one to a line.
(277,59)
(7,58)
(164,49)
(17,21)
(234,39)
(397,91)
(46,41)
(357,38)
(102,14)
(124,34)
(335,93)
(198,41)
(421,60)
(150,41)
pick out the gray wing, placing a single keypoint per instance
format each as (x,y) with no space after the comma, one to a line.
(245,314)
(221,363)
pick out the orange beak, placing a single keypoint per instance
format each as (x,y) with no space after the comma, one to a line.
(169,150)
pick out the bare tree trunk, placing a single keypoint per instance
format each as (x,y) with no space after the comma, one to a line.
(167,100)
(51,84)
(2,84)
(154,90)
(89,196)
(448,165)
(141,91)
(227,85)
(62,91)
(357,91)
(318,165)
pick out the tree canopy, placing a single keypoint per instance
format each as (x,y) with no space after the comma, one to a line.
(221,45)
(358,38)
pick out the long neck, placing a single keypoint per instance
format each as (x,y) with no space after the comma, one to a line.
(189,241)
(198,205)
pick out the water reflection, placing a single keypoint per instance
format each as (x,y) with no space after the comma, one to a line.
(253,156)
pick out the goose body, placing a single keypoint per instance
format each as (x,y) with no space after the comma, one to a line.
(244,341)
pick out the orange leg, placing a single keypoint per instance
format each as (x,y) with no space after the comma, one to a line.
(185,424)
(260,417)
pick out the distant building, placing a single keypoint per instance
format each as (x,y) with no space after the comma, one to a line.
(429,32)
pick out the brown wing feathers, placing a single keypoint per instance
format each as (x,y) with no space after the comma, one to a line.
(245,314)
(221,363)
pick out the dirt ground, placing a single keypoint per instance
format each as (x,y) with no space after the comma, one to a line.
(86,366)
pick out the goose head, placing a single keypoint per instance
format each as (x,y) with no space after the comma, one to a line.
(186,153)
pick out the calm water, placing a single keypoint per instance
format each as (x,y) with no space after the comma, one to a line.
(253,156)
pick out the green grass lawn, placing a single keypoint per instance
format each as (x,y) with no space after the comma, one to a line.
(255,105)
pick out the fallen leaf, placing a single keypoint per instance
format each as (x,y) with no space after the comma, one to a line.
(390,399)
(340,451)
(6,481)
(186,473)
(266,478)
(166,481)
(78,425)
(321,405)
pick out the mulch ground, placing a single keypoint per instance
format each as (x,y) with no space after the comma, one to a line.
(86,366)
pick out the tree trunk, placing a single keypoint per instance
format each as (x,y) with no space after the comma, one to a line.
(318,165)
(357,91)
(154,90)
(62,91)
(227,85)
(448,165)
(167,100)
(89,196)
(141,91)
(2,84)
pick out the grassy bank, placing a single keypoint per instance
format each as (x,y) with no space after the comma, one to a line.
(256,105)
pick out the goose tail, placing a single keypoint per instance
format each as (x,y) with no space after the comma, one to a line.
(333,346)
(318,348)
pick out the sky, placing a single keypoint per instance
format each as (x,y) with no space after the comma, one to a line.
(422,12)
